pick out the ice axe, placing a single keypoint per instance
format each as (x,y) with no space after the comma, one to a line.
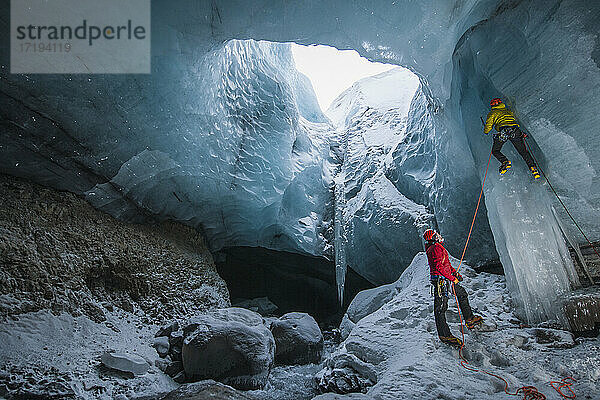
(482,122)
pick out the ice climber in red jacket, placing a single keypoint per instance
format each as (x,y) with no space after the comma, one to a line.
(442,273)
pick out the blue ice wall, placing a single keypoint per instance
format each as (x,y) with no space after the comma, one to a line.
(101,134)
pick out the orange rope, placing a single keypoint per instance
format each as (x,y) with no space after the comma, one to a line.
(564,383)
(528,392)
(475,215)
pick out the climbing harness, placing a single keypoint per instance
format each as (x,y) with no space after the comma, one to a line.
(440,286)
(506,133)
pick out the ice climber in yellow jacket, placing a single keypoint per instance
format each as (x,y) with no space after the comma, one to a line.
(507,128)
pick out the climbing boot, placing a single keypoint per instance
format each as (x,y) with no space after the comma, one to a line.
(451,341)
(504,167)
(535,172)
(474,321)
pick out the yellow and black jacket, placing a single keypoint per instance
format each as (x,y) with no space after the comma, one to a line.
(499,117)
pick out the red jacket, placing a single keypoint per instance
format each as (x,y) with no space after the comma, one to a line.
(439,263)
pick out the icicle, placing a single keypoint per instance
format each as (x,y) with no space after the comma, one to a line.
(340,234)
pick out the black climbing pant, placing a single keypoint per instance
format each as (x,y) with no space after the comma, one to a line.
(516,137)
(440,306)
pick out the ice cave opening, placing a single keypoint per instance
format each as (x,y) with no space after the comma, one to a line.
(291,282)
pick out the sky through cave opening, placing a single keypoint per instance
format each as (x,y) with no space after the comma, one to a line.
(332,71)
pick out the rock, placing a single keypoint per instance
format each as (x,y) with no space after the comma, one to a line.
(346,373)
(267,321)
(167,329)
(174,368)
(162,363)
(298,339)
(175,353)
(125,362)
(554,338)
(335,396)
(230,345)
(261,305)
(180,377)
(346,326)
(162,346)
(207,389)
(94,311)
(583,312)
(342,380)
(176,339)
(367,302)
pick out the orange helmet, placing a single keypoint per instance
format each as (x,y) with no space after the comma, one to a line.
(495,102)
(429,235)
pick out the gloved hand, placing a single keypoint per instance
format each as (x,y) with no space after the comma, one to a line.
(458,277)
(524,135)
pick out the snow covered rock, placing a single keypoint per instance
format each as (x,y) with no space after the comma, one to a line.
(554,338)
(230,345)
(368,301)
(167,329)
(298,339)
(261,305)
(335,396)
(207,389)
(161,344)
(345,374)
(125,362)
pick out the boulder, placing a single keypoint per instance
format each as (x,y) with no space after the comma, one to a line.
(207,389)
(176,339)
(554,338)
(161,344)
(173,368)
(167,329)
(298,339)
(261,305)
(125,362)
(230,345)
(335,396)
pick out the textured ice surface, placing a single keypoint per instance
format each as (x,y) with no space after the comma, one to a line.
(201,152)
(251,170)
(392,180)
(381,225)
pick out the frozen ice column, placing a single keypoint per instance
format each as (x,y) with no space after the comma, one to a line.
(539,270)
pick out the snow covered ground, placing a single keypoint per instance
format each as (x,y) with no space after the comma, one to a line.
(397,345)
(58,356)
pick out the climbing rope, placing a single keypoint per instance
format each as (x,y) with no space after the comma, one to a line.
(564,383)
(528,392)
(560,200)
(475,214)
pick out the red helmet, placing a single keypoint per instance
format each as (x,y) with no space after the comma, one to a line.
(429,235)
(495,102)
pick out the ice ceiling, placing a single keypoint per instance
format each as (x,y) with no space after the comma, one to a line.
(227,136)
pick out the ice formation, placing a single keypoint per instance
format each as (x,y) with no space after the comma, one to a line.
(251,166)
(379,224)
(227,137)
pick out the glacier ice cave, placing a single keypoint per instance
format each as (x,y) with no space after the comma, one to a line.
(225,136)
